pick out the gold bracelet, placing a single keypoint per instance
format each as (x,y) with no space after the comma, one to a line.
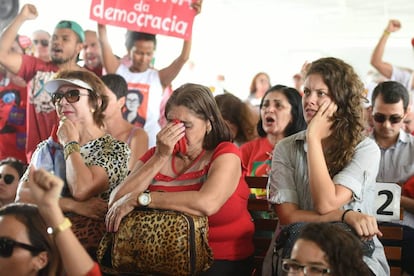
(387,33)
(66,224)
(70,148)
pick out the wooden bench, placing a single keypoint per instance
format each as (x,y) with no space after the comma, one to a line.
(392,241)
(392,235)
(264,226)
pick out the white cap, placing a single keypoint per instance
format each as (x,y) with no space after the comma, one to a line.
(53,85)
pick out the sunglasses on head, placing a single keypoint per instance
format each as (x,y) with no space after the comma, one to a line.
(381,118)
(71,96)
(7,178)
(43,42)
(7,245)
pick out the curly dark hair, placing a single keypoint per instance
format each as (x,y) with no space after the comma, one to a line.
(347,90)
(342,249)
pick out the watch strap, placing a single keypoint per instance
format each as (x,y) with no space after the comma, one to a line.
(60,228)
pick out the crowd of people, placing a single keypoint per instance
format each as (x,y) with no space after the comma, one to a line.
(86,137)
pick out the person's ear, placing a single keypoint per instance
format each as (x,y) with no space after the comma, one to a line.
(208,127)
(41,260)
(121,102)
(408,109)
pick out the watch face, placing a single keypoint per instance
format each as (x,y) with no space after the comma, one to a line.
(144,199)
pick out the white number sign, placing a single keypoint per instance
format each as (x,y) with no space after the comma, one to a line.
(387,201)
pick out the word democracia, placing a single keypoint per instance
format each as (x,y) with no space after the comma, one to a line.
(141,17)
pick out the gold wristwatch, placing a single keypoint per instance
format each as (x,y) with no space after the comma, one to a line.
(60,228)
(70,148)
(144,198)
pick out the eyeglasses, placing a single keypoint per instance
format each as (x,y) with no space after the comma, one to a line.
(381,118)
(7,245)
(43,42)
(8,178)
(292,268)
(71,96)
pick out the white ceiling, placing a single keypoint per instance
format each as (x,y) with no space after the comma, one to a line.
(238,38)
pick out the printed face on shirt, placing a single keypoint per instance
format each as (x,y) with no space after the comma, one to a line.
(275,113)
(132,101)
(387,129)
(316,92)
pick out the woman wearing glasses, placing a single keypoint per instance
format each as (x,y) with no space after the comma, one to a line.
(41,40)
(11,170)
(326,249)
(91,161)
(36,240)
(328,172)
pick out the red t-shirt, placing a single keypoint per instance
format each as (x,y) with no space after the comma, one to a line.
(257,156)
(40,113)
(231,229)
(408,187)
(95,271)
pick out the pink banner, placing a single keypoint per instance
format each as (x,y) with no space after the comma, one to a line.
(166,17)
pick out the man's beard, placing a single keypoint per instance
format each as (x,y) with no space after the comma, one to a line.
(60,61)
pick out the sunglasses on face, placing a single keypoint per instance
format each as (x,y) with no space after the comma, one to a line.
(381,118)
(7,178)
(71,96)
(7,245)
(43,42)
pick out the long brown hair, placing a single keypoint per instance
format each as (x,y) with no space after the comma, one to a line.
(346,90)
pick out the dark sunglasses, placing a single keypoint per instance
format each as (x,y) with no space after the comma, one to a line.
(43,42)
(8,178)
(7,245)
(71,96)
(381,118)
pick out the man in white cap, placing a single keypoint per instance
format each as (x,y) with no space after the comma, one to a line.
(66,44)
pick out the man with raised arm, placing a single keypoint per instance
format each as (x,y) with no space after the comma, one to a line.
(66,44)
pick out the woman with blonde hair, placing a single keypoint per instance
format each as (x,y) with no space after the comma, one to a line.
(91,162)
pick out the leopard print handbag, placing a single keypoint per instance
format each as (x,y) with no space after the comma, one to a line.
(152,241)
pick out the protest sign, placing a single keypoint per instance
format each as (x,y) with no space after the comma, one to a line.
(167,17)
